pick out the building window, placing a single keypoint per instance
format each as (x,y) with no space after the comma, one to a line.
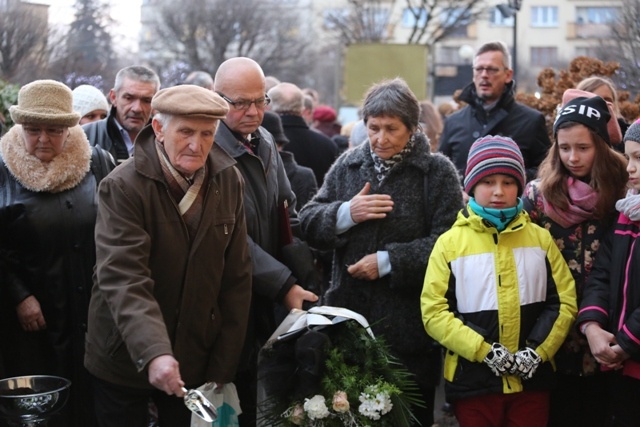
(414,17)
(456,20)
(497,19)
(450,56)
(544,16)
(591,52)
(596,15)
(544,56)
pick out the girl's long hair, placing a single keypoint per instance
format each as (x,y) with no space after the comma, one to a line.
(608,177)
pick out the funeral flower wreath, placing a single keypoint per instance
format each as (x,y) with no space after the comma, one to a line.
(341,375)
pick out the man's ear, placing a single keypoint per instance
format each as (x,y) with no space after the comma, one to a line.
(157,129)
(112,97)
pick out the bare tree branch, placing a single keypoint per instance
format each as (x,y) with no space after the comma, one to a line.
(23,41)
(203,33)
(624,46)
(434,20)
(363,21)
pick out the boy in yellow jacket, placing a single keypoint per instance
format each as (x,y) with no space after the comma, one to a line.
(498,296)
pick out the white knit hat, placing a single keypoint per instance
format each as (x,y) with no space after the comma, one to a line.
(87,98)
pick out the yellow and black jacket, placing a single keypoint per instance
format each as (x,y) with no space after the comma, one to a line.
(482,286)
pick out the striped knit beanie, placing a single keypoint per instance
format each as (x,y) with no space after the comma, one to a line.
(494,154)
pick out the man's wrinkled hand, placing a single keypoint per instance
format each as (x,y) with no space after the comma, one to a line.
(30,314)
(296,296)
(164,374)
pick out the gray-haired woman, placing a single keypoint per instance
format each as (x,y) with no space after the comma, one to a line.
(381,208)
(48,181)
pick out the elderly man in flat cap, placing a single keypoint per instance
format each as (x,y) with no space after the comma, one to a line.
(172,288)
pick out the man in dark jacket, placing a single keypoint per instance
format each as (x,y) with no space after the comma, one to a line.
(170,302)
(492,110)
(240,81)
(130,112)
(311,149)
(302,179)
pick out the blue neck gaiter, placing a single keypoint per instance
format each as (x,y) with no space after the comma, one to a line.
(498,217)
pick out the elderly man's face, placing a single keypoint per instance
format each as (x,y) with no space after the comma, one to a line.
(133,103)
(247,121)
(187,141)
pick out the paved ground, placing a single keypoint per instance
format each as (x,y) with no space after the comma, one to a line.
(442,419)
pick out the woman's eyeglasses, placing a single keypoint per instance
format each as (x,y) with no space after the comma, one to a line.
(51,131)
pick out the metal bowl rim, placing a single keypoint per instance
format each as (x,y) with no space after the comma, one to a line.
(66,385)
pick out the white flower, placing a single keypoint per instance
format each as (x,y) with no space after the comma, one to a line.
(385,401)
(316,408)
(366,408)
(375,403)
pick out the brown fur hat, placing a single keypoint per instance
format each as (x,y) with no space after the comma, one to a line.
(45,102)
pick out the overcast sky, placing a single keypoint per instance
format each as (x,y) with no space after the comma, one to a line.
(126,14)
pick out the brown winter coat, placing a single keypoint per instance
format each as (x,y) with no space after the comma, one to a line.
(157,293)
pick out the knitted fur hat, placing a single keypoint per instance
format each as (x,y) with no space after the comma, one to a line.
(494,154)
(633,132)
(87,98)
(590,110)
(190,101)
(45,102)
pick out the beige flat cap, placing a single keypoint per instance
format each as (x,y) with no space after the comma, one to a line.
(190,101)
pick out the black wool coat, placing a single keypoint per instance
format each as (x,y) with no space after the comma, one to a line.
(391,303)
(524,125)
(310,148)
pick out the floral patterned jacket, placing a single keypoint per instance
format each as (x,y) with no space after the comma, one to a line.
(578,245)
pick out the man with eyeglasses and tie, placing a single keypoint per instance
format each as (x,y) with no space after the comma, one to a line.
(241,82)
(493,110)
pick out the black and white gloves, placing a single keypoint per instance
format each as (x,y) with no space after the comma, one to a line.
(524,363)
(500,360)
(527,361)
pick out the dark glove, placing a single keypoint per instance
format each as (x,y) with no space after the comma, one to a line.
(499,360)
(527,361)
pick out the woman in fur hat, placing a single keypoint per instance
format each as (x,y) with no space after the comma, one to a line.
(48,180)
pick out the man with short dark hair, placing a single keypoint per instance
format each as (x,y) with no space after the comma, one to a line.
(130,112)
(493,110)
(170,303)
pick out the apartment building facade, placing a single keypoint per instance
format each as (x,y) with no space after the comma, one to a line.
(547,33)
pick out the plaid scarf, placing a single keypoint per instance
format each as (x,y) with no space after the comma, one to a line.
(383,166)
(186,192)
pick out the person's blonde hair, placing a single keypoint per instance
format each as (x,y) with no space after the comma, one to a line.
(594,82)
